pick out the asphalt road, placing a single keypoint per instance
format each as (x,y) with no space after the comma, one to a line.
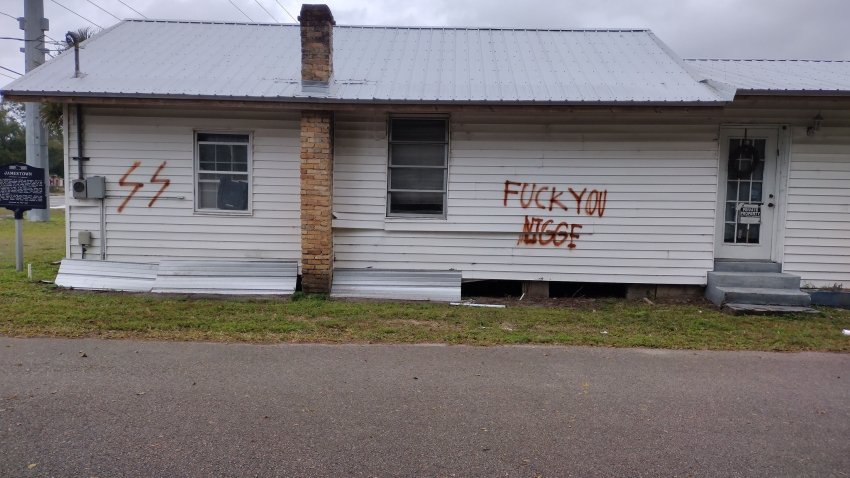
(124,408)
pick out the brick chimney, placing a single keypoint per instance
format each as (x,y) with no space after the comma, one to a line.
(316,152)
(316,43)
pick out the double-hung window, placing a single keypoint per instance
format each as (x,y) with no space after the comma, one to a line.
(222,172)
(418,167)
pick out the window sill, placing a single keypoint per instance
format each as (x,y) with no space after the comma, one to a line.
(416,218)
(222,212)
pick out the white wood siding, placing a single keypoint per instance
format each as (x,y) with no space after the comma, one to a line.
(658,225)
(171,229)
(817,227)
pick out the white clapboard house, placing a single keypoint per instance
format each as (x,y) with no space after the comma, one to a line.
(400,161)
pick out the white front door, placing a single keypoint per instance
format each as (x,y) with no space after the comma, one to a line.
(748,196)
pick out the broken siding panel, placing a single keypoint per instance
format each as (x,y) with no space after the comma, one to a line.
(170,228)
(657,226)
(817,226)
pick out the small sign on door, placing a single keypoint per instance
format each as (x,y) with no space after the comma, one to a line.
(749,213)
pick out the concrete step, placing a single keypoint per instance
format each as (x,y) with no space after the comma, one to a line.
(747,266)
(751,309)
(757,296)
(761,280)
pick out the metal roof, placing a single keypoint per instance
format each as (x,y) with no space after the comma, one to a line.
(778,76)
(253,61)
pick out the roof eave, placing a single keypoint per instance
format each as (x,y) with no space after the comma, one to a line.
(76,97)
(765,92)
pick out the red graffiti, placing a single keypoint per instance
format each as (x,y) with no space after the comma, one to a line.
(551,232)
(529,194)
(156,180)
(593,204)
(123,183)
(537,230)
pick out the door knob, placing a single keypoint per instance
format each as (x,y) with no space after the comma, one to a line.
(770,204)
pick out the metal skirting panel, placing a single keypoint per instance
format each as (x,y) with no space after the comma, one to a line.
(438,286)
(226,277)
(106,275)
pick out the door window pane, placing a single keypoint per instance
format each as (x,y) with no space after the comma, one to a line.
(755,192)
(743,192)
(729,233)
(753,231)
(730,212)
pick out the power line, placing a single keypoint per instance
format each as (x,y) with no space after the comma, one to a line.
(21,39)
(234,6)
(267,12)
(103,9)
(8,76)
(9,69)
(131,8)
(40,39)
(287,11)
(77,14)
(10,16)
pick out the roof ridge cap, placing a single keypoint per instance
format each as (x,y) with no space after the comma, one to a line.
(391,27)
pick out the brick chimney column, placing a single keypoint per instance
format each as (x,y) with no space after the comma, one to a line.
(316,43)
(316,153)
(316,201)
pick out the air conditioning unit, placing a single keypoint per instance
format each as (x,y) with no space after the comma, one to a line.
(93,187)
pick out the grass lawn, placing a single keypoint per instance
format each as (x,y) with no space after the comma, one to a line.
(31,308)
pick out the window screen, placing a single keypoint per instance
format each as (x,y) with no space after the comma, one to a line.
(418,163)
(223,169)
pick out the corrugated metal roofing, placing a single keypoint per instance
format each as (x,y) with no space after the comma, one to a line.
(439,286)
(106,275)
(226,277)
(805,76)
(142,58)
(185,277)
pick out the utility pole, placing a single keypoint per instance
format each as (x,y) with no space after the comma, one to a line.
(34,25)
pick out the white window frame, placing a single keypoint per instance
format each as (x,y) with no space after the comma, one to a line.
(197,170)
(445,190)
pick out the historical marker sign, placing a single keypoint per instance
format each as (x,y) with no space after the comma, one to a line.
(22,187)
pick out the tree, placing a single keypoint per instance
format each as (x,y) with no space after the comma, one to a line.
(13,145)
(13,139)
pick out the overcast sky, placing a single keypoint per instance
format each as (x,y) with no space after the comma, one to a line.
(801,29)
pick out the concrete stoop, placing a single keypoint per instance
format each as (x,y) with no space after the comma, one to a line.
(754,286)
